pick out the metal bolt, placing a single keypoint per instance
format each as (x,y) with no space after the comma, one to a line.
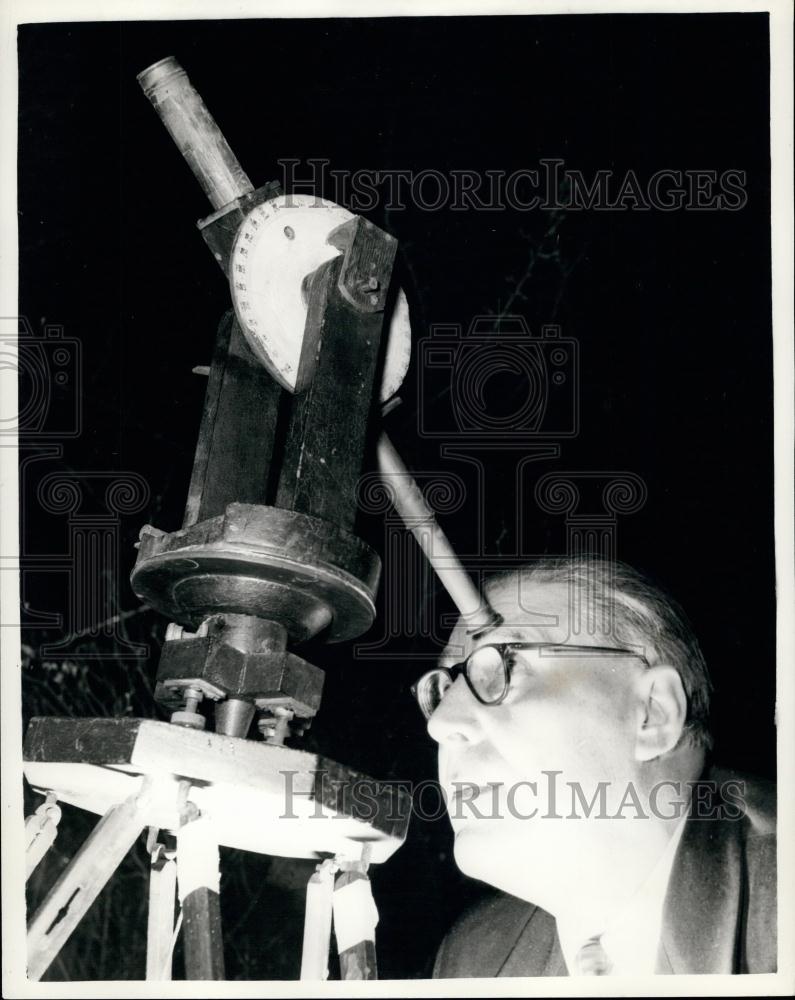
(275,726)
(189,715)
(192,698)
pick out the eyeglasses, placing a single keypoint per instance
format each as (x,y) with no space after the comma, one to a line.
(487,671)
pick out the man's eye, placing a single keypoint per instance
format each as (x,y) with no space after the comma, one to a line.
(518,663)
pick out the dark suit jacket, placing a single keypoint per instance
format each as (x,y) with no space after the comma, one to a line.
(719,916)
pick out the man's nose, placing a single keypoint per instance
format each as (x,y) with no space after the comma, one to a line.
(456,718)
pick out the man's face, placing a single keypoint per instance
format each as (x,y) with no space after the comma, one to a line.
(576,715)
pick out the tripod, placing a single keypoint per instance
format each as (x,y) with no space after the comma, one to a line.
(235,795)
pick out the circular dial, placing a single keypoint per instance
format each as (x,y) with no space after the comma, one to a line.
(278,245)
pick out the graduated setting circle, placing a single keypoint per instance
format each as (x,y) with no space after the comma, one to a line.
(279,245)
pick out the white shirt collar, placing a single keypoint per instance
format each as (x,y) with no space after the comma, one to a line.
(631,937)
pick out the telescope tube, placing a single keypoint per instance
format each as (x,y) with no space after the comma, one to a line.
(194,131)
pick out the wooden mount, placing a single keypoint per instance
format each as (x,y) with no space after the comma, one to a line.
(368,259)
(238,429)
(326,442)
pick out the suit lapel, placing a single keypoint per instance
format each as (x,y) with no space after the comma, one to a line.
(556,964)
(536,952)
(702,905)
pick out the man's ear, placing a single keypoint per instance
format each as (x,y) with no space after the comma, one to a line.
(662,711)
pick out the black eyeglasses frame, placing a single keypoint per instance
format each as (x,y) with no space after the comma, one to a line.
(561,649)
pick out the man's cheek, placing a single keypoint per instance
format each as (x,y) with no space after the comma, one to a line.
(444,765)
(529,747)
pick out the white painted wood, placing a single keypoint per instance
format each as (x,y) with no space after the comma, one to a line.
(257,795)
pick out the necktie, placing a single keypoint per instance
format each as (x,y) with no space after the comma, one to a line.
(592,959)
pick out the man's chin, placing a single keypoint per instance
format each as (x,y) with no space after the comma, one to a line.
(483,855)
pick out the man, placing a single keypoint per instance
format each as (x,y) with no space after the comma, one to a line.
(572,736)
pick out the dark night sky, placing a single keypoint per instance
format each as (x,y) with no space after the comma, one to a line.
(671,310)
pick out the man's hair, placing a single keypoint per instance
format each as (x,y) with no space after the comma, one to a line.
(607,596)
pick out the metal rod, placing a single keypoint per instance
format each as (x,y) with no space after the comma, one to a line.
(420,520)
(233,717)
(195,132)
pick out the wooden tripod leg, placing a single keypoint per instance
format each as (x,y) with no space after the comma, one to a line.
(317,923)
(81,882)
(355,917)
(160,923)
(198,877)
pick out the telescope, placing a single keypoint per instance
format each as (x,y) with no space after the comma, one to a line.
(313,350)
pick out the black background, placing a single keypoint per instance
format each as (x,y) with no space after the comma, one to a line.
(671,312)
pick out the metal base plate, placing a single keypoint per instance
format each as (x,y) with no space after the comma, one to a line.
(276,564)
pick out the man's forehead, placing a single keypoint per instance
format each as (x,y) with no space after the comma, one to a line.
(531,612)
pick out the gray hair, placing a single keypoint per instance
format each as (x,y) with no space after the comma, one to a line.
(613,597)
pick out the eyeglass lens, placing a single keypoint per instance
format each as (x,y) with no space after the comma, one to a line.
(431,690)
(486,673)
